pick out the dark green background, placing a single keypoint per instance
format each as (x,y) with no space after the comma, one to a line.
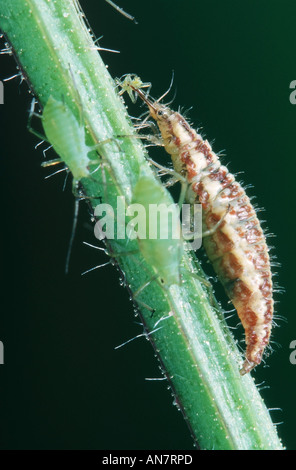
(63,386)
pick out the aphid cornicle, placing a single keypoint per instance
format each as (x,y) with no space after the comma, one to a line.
(235,242)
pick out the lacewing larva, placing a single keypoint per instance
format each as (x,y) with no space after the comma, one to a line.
(234,241)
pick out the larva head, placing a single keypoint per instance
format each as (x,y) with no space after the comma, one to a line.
(159,112)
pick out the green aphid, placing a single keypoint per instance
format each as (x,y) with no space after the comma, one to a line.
(67,136)
(160,240)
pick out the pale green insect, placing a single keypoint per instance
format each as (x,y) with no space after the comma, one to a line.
(67,136)
(160,240)
(130,83)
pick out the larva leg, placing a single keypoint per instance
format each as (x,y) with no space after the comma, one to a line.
(208,233)
(175,178)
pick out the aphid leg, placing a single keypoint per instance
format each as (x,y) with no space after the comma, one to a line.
(32,113)
(45,150)
(104,142)
(55,161)
(140,289)
(78,197)
(57,172)
(118,255)
(207,285)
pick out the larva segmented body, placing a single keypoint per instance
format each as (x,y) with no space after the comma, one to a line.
(235,243)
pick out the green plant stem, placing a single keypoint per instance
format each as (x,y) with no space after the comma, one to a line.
(196,352)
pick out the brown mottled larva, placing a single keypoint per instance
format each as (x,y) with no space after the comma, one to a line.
(235,242)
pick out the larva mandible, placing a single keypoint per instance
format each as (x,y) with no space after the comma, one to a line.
(235,242)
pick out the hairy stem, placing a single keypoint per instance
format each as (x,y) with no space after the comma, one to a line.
(57,55)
